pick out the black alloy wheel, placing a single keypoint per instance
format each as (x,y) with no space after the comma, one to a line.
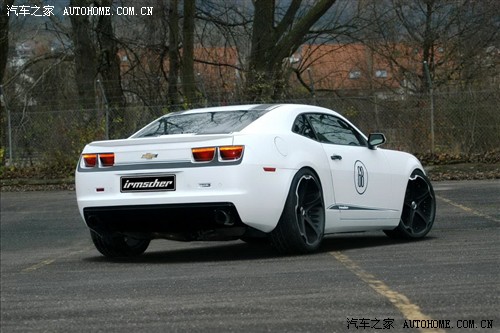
(302,223)
(419,209)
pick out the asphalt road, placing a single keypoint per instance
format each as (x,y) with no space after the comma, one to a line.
(53,280)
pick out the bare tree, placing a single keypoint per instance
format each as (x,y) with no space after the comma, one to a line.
(96,56)
(443,38)
(163,64)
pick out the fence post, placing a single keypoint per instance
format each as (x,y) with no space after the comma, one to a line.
(106,125)
(3,101)
(431,95)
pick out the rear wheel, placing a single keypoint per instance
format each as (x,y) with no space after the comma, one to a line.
(116,246)
(419,209)
(302,223)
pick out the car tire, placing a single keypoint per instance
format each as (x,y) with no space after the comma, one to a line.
(302,224)
(419,209)
(117,246)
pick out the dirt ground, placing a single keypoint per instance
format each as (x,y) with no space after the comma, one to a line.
(464,171)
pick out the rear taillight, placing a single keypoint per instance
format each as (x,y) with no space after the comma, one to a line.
(230,153)
(107,159)
(203,154)
(90,160)
(226,153)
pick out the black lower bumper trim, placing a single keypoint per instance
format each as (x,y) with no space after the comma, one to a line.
(182,219)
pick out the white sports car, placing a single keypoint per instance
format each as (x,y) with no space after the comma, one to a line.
(285,173)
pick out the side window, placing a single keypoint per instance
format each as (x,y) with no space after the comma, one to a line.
(330,129)
(301,126)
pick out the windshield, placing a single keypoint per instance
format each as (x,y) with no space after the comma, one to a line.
(221,122)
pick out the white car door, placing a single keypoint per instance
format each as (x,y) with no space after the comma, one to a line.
(361,177)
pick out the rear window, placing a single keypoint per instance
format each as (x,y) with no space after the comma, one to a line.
(221,122)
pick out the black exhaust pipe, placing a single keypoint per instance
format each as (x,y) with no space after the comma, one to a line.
(223,217)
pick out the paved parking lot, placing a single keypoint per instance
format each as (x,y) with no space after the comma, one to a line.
(53,280)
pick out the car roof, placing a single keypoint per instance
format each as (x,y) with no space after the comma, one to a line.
(244,107)
(259,107)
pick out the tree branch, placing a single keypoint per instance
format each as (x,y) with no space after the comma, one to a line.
(294,38)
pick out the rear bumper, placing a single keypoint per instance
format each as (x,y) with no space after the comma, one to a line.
(255,196)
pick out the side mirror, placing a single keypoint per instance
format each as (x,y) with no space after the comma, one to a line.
(375,140)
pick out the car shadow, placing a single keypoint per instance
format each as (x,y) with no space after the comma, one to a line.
(207,252)
(239,251)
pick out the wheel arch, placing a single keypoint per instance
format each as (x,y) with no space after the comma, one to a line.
(310,168)
(413,165)
(324,176)
(401,166)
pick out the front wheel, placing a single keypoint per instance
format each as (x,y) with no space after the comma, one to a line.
(419,209)
(302,223)
(116,246)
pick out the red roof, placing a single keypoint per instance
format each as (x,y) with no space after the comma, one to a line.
(335,67)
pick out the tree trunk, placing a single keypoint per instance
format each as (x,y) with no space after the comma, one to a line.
(173,54)
(4,50)
(272,44)
(428,47)
(4,36)
(187,69)
(121,123)
(261,72)
(85,59)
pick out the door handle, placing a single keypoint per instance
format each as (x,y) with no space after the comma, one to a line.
(336,157)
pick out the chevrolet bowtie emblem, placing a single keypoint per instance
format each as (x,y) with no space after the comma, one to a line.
(149,156)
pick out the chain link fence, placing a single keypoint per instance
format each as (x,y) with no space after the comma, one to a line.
(443,123)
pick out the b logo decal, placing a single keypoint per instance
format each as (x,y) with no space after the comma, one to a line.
(360,177)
